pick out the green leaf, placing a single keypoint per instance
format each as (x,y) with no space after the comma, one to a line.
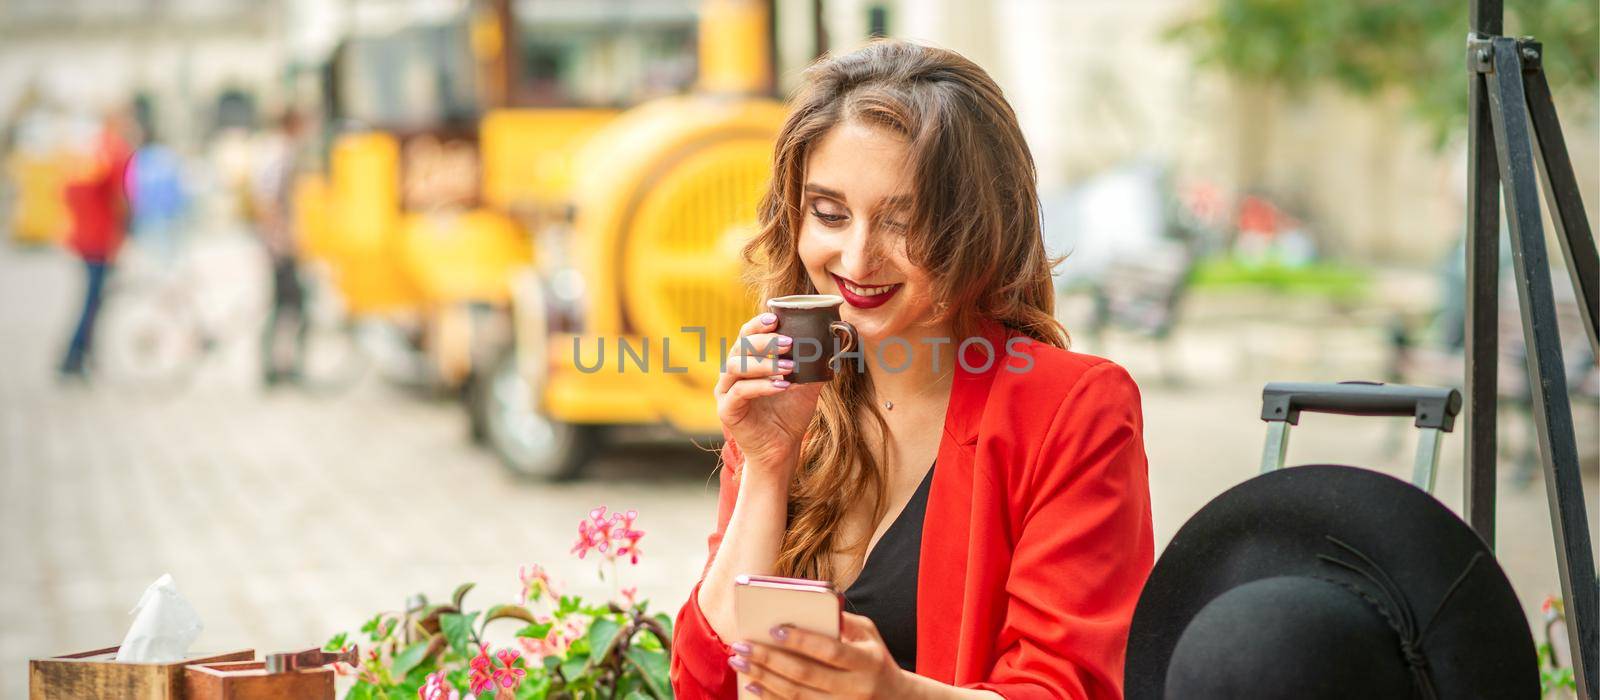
(360,691)
(578,646)
(408,659)
(407,689)
(337,642)
(428,618)
(457,629)
(569,604)
(602,634)
(537,630)
(572,669)
(534,687)
(371,627)
(500,612)
(654,667)
(461,593)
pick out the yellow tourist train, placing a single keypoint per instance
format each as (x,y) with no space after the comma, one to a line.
(558,223)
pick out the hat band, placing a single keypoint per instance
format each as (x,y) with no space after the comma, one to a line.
(1396,611)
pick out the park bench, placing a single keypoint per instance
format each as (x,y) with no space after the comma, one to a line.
(1430,356)
(1143,295)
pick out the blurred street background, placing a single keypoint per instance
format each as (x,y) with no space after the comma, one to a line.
(339,253)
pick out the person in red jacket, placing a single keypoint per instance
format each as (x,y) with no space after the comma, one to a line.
(977,492)
(97,204)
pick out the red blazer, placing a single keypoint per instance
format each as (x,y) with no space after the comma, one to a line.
(1037,537)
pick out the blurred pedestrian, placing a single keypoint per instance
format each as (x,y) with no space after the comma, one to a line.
(157,196)
(97,204)
(272,211)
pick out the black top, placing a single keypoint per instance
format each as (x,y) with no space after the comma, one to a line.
(886,589)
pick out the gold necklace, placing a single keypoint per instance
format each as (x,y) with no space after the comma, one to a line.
(889,405)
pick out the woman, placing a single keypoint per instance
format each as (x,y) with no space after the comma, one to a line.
(98,204)
(1001,555)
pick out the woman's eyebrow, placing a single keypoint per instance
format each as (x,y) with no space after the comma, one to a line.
(899,201)
(825,191)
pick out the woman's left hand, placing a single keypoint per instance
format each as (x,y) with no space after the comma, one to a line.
(801,664)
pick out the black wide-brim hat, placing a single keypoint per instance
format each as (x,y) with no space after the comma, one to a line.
(1328,581)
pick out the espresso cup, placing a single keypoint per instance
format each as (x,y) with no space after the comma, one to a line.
(820,337)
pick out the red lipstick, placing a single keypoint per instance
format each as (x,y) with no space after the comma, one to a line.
(861,301)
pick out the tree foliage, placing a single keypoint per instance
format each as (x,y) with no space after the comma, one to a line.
(1417,47)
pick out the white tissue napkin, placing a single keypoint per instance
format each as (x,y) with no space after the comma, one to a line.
(164,627)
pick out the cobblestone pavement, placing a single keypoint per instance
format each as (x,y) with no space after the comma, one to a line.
(285,517)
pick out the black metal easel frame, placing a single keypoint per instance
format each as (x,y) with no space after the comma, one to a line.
(1513,127)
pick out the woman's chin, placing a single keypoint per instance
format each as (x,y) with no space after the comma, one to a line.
(874,333)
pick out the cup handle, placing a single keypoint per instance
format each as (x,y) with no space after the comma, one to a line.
(850,339)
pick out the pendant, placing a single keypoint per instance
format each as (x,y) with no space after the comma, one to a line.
(888,405)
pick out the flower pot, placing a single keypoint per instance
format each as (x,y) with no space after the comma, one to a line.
(249,680)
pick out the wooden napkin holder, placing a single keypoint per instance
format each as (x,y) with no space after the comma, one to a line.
(98,674)
(249,680)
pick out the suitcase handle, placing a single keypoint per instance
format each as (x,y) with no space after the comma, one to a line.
(1435,410)
(1434,407)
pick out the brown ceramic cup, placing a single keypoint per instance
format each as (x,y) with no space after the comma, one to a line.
(820,337)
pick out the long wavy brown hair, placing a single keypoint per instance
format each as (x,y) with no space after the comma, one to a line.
(974,227)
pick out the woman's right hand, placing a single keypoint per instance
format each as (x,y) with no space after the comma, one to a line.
(766,414)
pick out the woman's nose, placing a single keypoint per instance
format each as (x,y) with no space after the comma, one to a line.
(860,255)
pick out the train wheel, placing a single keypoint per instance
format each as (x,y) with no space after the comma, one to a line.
(529,443)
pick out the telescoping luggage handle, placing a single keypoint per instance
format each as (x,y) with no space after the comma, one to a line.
(1435,410)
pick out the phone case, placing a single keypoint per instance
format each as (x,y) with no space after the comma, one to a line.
(763,602)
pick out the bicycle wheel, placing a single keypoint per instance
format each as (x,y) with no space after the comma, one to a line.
(148,339)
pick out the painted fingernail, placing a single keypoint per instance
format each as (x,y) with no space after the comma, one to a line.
(768,319)
(781,383)
(753,688)
(742,648)
(780,633)
(739,663)
(785,340)
(785,364)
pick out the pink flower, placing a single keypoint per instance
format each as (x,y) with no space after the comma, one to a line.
(435,688)
(630,595)
(554,642)
(482,677)
(510,676)
(597,533)
(630,547)
(367,675)
(536,583)
(594,533)
(628,536)
(537,649)
(576,629)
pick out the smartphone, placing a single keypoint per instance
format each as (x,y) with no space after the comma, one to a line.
(763,602)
